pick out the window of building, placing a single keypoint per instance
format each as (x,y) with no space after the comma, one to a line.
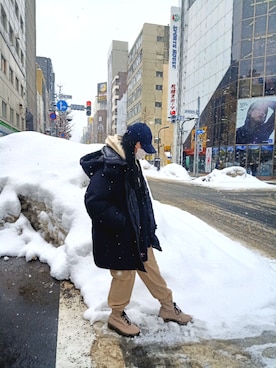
(11,34)
(261,8)
(160,39)
(3,65)
(22,58)
(258,67)
(259,47)
(271,23)
(247,28)
(270,66)
(248,9)
(158,104)
(17,46)
(16,10)
(17,84)
(158,121)
(11,115)
(159,87)
(245,68)
(11,76)
(266,160)
(260,26)
(246,49)
(271,46)
(21,24)
(159,74)
(4,18)
(4,109)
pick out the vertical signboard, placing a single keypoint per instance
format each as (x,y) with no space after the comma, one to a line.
(175,22)
(102,92)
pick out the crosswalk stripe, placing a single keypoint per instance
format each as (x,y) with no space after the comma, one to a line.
(75,334)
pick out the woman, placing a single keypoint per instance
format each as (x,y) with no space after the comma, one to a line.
(123,225)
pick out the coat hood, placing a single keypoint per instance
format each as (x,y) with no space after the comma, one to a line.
(112,153)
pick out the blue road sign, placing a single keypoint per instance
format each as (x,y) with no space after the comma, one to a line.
(200,131)
(62,105)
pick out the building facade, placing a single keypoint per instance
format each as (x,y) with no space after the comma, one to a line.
(119,87)
(148,83)
(228,62)
(116,63)
(13,99)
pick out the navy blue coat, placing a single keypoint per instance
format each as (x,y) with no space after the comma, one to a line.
(112,205)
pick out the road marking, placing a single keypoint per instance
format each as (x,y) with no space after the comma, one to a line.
(75,334)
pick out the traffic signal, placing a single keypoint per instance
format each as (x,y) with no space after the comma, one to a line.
(173,116)
(88,108)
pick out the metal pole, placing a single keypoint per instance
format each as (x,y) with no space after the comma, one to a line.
(158,143)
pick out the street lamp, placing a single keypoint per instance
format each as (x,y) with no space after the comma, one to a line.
(181,143)
(157,159)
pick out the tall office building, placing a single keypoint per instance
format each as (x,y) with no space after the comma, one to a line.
(148,81)
(116,63)
(13,37)
(227,61)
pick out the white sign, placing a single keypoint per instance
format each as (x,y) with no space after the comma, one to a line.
(175,28)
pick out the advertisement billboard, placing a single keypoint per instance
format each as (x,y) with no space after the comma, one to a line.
(255,122)
(102,91)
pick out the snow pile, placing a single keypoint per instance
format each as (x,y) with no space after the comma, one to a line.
(230,290)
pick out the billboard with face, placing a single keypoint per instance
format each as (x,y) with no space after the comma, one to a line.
(256,120)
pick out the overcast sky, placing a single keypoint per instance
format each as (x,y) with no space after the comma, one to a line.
(77,35)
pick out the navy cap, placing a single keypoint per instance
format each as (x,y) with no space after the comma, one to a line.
(140,132)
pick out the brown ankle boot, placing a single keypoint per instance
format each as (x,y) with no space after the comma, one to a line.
(119,322)
(170,312)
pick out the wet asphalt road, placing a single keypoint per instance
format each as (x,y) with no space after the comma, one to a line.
(29,303)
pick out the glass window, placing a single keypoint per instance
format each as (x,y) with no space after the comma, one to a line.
(270,85)
(230,156)
(271,65)
(245,68)
(271,45)
(240,156)
(271,6)
(259,47)
(248,9)
(257,87)
(11,115)
(260,26)
(246,49)
(4,109)
(4,18)
(253,160)
(266,160)
(159,87)
(244,88)
(271,23)
(261,8)
(258,67)
(247,28)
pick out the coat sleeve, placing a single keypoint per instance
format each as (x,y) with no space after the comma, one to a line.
(103,202)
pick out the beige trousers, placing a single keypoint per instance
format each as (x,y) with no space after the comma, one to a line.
(123,281)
